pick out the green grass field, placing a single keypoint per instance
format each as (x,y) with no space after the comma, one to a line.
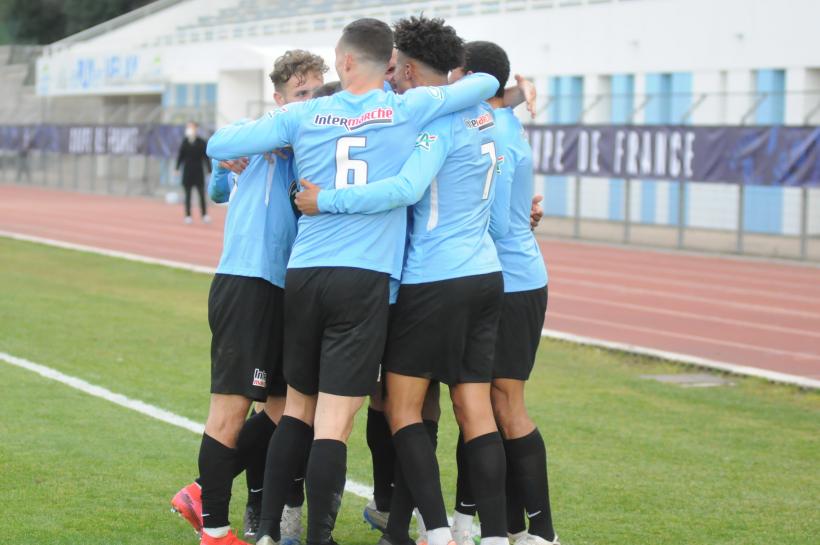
(631,461)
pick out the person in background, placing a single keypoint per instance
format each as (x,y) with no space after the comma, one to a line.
(191,159)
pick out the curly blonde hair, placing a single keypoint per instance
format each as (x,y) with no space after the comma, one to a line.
(296,62)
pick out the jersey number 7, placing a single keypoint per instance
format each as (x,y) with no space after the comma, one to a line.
(488,148)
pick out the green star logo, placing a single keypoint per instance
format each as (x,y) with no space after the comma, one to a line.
(425,141)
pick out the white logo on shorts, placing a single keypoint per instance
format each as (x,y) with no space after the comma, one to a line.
(260,378)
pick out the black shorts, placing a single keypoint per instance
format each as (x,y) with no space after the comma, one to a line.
(446,330)
(335,329)
(246,319)
(519,332)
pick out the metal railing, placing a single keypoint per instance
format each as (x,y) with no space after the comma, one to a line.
(685,232)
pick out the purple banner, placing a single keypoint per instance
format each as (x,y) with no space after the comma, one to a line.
(788,156)
(153,140)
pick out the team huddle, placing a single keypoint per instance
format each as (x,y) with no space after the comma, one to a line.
(378,243)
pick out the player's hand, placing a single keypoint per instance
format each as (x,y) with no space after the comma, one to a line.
(307,200)
(528,90)
(282,153)
(237,166)
(536,212)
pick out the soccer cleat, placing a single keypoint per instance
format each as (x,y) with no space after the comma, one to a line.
(291,525)
(188,220)
(251,519)
(375,518)
(530,539)
(516,536)
(187,503)
(228,539)
(206,219)
(266,540)
(463,536)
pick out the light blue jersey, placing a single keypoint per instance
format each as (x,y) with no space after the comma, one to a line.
(450,176)
(261,224)
(343,141)
(521,261)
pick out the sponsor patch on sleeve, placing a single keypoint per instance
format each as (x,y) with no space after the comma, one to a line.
(436,92)
(425,140)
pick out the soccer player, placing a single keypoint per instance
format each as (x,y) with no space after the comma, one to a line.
(245,312)
(519,330)
(337,280)
(447,312)
(377,511)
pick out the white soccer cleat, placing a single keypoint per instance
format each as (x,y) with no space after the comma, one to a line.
(291,525)
(529,539)
(463,536)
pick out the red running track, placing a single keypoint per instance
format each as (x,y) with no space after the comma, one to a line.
(752,313)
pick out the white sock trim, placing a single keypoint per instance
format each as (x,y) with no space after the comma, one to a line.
(439,536)
(494,541)
(222,531)
(462,522)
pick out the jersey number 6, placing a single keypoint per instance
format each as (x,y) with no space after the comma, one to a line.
(345,165)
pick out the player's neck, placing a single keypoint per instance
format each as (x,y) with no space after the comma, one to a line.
(496,102)
(429,78)
(364,84)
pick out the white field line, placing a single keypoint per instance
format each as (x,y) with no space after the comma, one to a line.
(141,407)
(623,347)
(732,368)
(109,253)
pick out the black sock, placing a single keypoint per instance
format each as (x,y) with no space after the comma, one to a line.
(288,448)
(252,445)
(419,466)
(401,506)
(487,466)
(528,472)
(431,426)
(515,506)
(465,503)
(401,509)
(384,458)
(217,464)
(296,494)
(325,483)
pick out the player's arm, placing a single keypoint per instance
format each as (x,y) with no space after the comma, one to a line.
(428,103)
(500,209)
(219,189)
(404,189)
(523,91)
(272,130)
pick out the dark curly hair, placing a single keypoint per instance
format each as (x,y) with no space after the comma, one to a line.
(328,89)
(296,62)
(489,58)
(430,41)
